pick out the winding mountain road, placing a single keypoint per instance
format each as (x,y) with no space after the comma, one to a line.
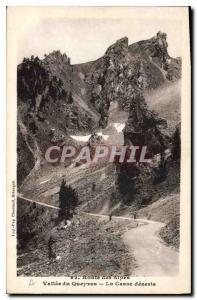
(153,257)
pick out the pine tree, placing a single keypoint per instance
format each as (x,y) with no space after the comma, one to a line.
(68,201)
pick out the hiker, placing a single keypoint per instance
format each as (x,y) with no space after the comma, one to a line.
(110,217)
(149,217)
(135,216)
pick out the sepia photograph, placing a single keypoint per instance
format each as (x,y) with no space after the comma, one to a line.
(100,145)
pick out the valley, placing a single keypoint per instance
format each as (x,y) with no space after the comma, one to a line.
(126,218)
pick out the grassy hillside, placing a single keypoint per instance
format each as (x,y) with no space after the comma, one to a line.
(162,210)
(165,210)
(171,232)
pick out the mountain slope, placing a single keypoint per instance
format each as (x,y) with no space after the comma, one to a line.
(57,100)
(130,96)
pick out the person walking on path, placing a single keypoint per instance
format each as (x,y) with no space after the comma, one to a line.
(135,215)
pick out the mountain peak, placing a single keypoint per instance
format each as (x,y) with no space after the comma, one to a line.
(56,55)
(119,46)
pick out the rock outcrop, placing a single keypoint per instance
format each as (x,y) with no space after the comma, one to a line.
(55,96)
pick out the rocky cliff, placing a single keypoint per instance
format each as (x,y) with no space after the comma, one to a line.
(56,98)
(58,101)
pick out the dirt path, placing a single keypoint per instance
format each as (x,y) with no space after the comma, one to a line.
(153,258)
(39,203)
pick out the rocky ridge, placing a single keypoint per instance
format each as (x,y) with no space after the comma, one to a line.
(56,100)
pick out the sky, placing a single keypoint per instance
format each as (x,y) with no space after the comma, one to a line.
(86,39)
